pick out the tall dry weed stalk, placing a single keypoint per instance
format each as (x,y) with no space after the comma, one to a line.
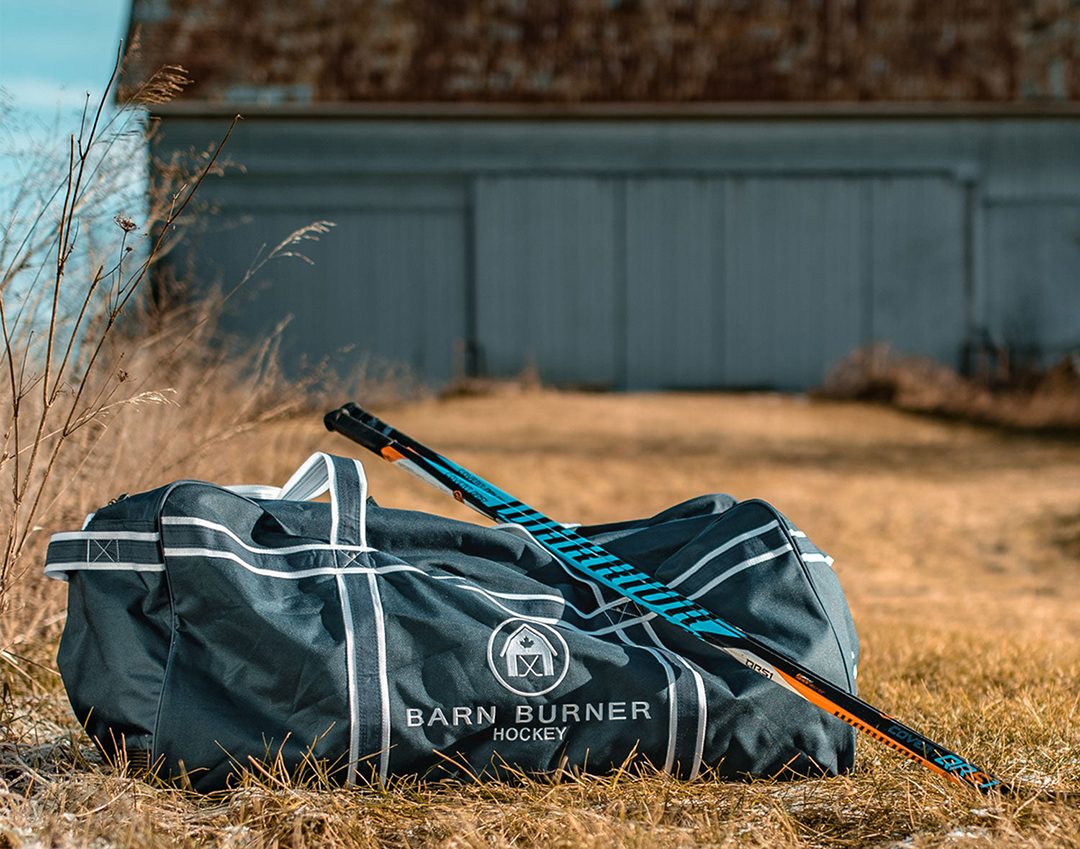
(82,350)
(60,304)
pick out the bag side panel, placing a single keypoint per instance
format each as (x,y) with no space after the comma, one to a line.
(115,643)
(113,665)
(258,668)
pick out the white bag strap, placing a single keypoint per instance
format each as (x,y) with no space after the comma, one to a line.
(102,551)
(138,551)
(347,484)
(259,491)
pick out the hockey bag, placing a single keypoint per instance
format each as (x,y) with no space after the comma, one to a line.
(209,627)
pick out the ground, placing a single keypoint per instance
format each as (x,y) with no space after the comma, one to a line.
(957,547)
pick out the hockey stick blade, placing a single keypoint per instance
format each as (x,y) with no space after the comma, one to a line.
(606,568)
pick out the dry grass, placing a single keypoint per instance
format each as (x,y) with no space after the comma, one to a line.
(85,349)
(64,289)
(1000,393)
(957,547)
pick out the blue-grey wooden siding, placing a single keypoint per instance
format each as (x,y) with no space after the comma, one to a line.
(674,255)
(546,277)
(649,254)
(386,290)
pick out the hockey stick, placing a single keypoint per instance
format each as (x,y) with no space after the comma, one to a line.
(609,570)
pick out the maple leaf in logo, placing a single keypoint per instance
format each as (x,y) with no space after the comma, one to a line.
(525,642)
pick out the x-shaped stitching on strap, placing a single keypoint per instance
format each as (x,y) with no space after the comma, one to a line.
(344,559)
(98,551)
(621,613)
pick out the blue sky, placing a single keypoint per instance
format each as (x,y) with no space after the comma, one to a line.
(53,51)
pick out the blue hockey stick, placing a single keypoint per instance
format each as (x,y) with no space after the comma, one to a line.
(611,571)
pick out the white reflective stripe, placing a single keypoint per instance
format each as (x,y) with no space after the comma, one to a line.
(346,610)
(315,476)
(602,608)
(816,558)
(673,700)
(739,567)
(255,490)
(510,596)
(99,543)
(703,715)
(58,571)
(285,549)
(516,614)
(135,536)
(217,554)
(673,711)
(318,474)
(350,676)
(105,565)
(363,501)
(699,690)
(384,684)
(519,531)
(494,596)
(335,517)
(727,546)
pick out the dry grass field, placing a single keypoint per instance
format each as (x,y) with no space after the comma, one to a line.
(958,547)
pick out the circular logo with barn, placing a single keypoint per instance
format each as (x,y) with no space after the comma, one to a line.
(527,658)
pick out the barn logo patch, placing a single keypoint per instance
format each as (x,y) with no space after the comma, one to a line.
(527,658)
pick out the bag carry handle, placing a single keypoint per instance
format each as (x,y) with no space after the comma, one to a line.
(347,483)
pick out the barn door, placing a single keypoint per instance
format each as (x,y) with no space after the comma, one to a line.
(674,283)
(742,281)
(714,281)
(763,281)
(794,278)
(546,277)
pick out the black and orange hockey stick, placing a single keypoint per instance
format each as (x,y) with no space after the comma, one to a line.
(609,570)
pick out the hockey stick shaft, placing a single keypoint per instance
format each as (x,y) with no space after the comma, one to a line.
(611,571)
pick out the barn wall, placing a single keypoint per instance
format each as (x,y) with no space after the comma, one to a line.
(650,253)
